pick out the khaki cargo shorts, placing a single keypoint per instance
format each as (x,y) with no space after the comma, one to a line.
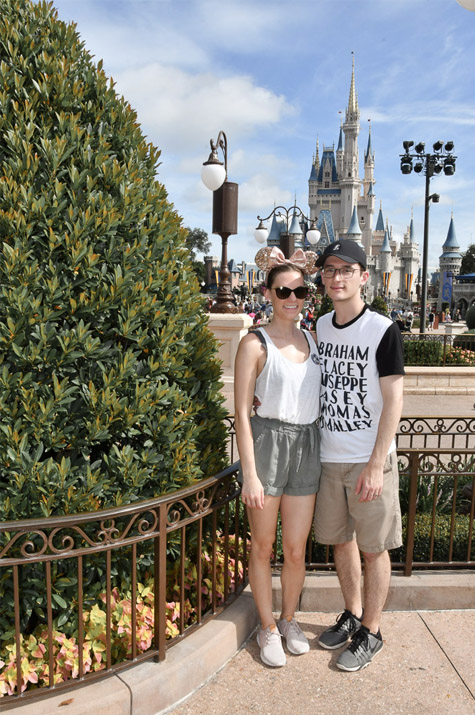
(340,516)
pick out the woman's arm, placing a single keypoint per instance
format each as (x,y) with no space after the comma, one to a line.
(250,358)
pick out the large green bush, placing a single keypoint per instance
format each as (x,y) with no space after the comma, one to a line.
(423,352)
(470,318)
(109,380)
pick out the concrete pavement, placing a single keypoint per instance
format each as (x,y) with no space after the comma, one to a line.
(426,666)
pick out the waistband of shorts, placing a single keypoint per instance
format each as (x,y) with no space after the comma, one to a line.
(275,424)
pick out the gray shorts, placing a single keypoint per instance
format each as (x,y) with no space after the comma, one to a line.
(287,456)
(340,516)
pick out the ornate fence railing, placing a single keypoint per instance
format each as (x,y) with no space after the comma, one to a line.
(85,595)
(434,349)
(437,492)
(68,584)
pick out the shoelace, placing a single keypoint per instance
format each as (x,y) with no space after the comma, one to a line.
(294,628)
(342,619)
(359,639)
(270,634)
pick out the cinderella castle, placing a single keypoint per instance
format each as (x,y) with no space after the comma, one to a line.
(343,205)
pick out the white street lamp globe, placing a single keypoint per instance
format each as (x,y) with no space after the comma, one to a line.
(467,4)
(260,234)
(313,236)
(213,176)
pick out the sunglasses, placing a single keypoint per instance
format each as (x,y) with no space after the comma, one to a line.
(283,293)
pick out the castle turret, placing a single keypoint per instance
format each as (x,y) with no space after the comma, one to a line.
(354,230)
(449,261)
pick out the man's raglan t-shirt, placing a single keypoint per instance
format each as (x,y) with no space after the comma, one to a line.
(353,357)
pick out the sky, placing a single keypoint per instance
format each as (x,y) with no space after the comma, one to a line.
(274,76)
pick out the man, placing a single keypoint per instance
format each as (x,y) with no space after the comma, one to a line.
(357,509)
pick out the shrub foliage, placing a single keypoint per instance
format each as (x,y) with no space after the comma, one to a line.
(109,379)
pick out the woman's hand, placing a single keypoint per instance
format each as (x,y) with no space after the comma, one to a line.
(252,493)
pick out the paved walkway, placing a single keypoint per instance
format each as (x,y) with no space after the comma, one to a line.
(427,665)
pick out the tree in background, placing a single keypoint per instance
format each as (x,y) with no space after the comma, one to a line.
(468,261)
(326,306)
(109,378)
(379,304)
(197,241)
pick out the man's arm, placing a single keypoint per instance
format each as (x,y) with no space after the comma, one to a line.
(370,481)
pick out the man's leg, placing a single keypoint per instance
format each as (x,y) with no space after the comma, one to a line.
(348,567)
(377,575)
(367,641)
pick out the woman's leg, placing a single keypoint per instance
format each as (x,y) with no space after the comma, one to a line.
(297,516)
(263,523)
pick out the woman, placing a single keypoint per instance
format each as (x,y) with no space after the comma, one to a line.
(279,446)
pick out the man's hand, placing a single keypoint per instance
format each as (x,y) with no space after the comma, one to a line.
(256,403)
(370,483)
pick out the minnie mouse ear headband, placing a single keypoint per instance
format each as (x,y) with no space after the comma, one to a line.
(270,257)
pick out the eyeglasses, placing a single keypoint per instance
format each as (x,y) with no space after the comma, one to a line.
(345,272)
(283,293)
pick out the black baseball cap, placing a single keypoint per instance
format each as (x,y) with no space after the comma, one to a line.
(346,249)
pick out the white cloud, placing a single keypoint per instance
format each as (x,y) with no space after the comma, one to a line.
(183,110)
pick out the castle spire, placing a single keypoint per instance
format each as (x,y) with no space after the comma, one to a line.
(352,108)
(369,150)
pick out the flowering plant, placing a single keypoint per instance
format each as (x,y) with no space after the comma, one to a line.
(35,669)
(460,356)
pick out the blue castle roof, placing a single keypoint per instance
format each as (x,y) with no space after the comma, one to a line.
(386,248)
(328,155)
(325,220)
(451,240)
(380,221)
(354,228)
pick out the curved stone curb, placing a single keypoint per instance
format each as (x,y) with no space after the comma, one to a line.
(154,688)
(150,688)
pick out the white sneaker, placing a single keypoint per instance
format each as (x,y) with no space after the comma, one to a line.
(295,638)
(269,641)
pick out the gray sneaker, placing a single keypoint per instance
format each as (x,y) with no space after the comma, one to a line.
(269,641)
(295,638)
(337,635)
(361,651)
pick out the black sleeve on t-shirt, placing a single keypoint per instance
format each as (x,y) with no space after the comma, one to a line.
(390,353)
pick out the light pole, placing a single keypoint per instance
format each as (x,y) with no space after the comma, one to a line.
(225,213)
(422,161)
(291,219)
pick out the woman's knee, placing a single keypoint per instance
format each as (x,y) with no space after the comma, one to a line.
(294,553)
(262,549)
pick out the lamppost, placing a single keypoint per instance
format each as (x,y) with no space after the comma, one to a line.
(225,212)
(430,164)
(291,219)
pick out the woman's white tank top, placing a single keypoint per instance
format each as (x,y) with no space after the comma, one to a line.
(289,391)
